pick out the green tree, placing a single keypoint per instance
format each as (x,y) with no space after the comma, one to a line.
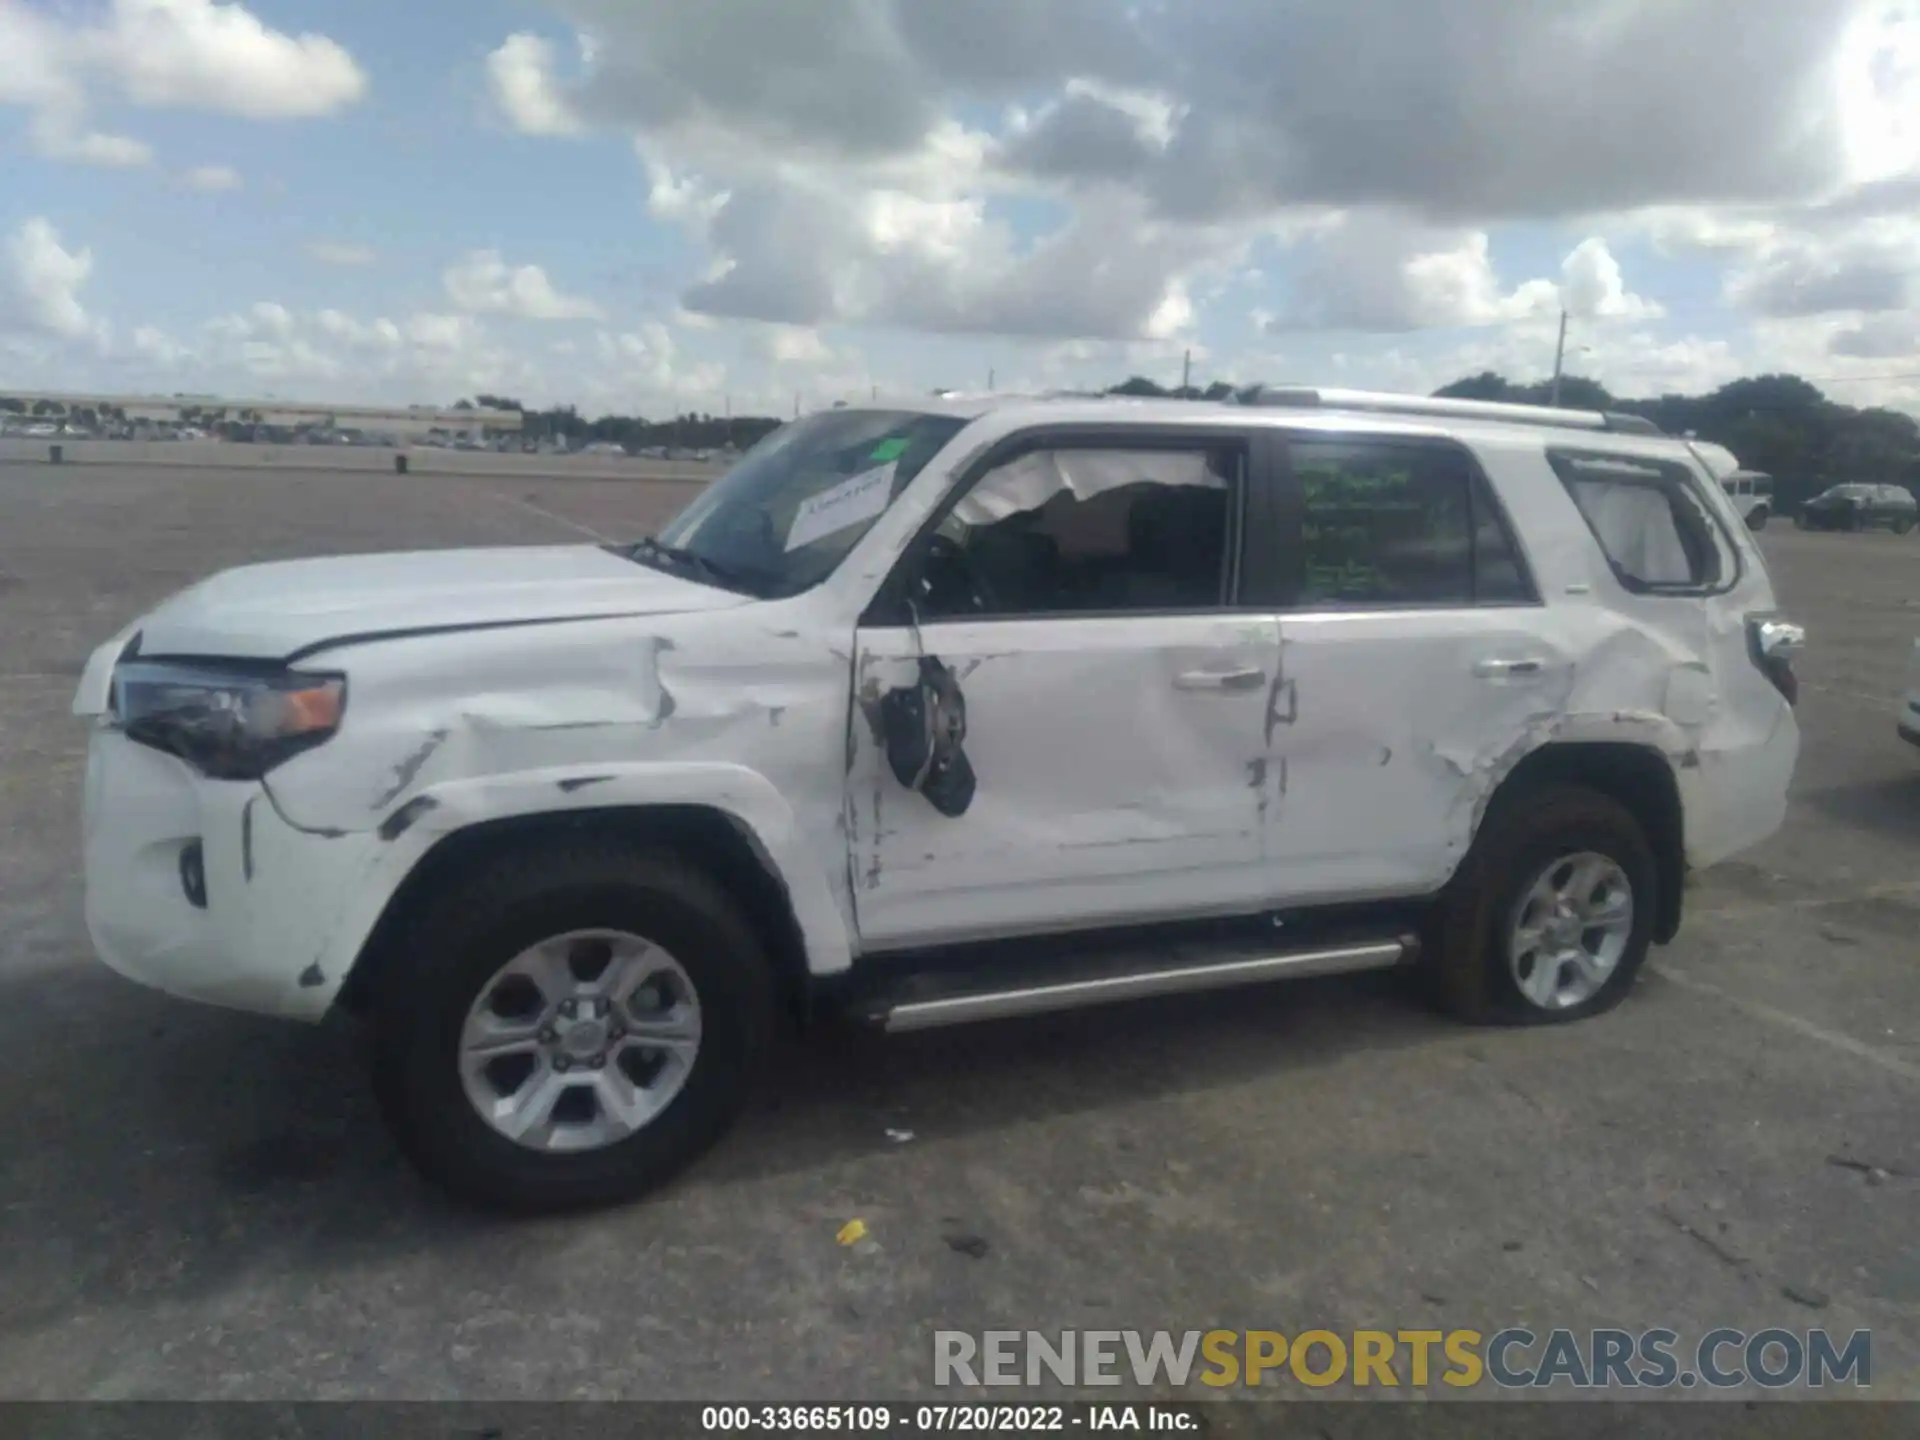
(1781,425)
(1484,386)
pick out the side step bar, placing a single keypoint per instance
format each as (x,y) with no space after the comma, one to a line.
(960,1009)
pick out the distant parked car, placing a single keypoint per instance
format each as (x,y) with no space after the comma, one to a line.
(1861,507)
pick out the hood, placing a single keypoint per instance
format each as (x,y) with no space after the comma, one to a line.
(269,612)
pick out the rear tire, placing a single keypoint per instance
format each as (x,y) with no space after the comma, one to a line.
(1473,970)
(1902,525)
(1757,521)
(453,953)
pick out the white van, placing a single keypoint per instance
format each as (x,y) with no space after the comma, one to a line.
(1752,494)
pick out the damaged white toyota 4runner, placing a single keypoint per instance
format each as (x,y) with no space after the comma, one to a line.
(935,714)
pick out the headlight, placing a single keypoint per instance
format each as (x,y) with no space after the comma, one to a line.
(228,723)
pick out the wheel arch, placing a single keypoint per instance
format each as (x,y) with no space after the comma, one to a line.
(790,906)
(1641,779)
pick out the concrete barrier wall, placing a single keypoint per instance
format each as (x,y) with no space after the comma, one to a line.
(210,455)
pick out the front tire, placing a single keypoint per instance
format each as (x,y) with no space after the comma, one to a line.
(1757,521)
(1550,915)
(570,1027)
(1903,525)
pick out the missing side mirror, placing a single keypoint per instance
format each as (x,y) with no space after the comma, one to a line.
(925,728)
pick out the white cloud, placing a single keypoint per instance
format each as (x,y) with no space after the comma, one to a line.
(42,282)
(58,135)
(1592,288)
(204,55)
(792,345)
(1675,228)
(331,252)
(334,354)
(60,61)
(1390,275)
(484,283)
(520,75)
(158,348)
(1167,143)
(213,178)
(1869,266)
(802,251)
(272,320)
(680,198)
(378,335)
(1248,109)
(432,331)
(1880,337)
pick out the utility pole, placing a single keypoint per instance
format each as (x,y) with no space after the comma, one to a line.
(989,381)
(1186,373)
(876,392)
(796,404)
(1559,356)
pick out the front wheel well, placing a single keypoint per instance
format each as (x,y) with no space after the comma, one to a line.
(697,834)
(1639,778)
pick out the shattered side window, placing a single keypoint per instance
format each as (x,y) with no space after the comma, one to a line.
(1068,531)
(1649,519)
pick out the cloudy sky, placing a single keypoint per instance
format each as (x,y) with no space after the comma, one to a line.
(651,205)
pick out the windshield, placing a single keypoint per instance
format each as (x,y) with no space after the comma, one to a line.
(784,518)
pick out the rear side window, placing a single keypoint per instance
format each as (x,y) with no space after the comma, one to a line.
(1650,520)
(1399,523)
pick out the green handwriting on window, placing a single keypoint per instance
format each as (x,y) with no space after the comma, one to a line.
(1349,578)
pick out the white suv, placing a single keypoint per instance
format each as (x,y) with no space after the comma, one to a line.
(935,713)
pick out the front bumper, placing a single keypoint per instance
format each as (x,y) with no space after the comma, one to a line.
(270,896)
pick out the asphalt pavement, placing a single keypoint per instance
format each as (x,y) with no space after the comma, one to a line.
(196,1204)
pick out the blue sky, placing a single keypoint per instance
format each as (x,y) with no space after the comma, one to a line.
(633,204)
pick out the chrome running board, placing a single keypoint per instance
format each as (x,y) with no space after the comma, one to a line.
(1029,999)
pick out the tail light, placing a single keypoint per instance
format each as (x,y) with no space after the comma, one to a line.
(1773,643)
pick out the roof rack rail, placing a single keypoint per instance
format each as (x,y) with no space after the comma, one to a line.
(983,395)
(1311,397)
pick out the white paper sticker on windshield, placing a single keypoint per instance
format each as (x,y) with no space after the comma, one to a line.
(848,503)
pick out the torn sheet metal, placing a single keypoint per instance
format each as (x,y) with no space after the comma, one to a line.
(447,731)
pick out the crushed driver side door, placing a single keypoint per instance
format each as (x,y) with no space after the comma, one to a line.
(1059,706)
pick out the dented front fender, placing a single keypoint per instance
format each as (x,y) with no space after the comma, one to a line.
(747,799)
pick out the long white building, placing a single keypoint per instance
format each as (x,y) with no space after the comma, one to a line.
(175,409)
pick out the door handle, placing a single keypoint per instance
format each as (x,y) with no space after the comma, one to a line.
(1507,669)
(1247,678)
